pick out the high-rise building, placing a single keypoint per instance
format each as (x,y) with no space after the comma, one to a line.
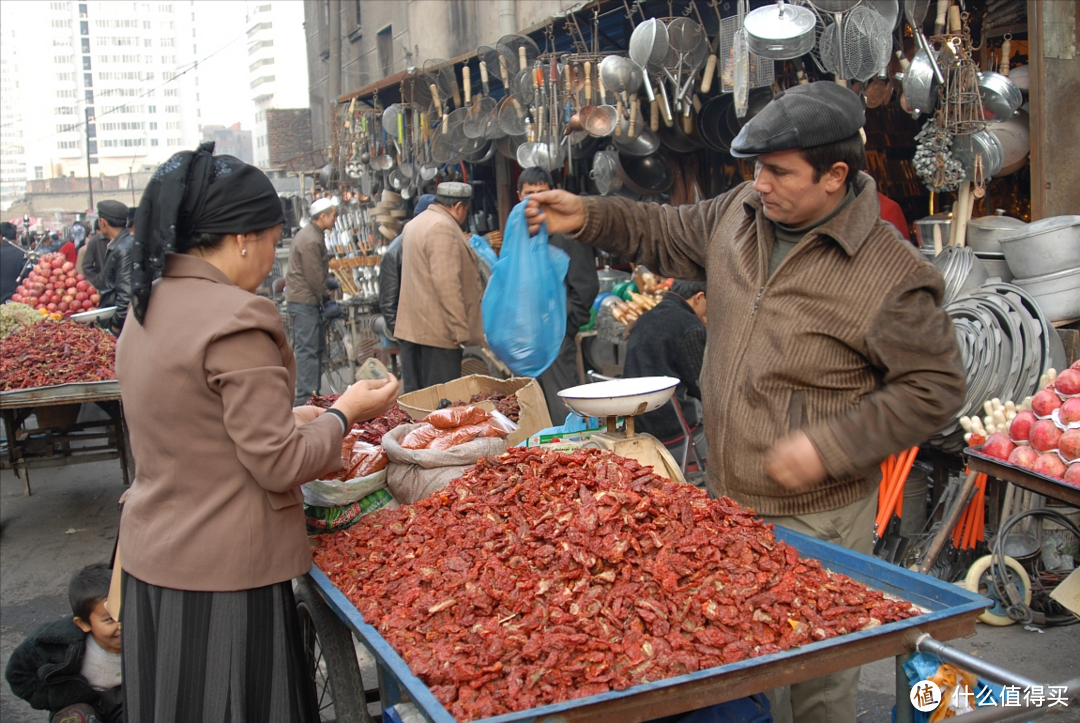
(277,65)
(108,80)
(12,143)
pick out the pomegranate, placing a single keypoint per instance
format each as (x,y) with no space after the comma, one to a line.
(1068,382)
(998,445)
(1044,435)
(1050,465)
(1070,411)
(1020,427)
(1072,474)
(1045,402)
(1069,445)
(1024,457)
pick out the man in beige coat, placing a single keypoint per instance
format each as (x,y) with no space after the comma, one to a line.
(439,308)
(305,291)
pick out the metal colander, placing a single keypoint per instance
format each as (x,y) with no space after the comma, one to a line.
(867,43)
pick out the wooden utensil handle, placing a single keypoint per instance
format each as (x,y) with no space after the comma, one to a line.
(435,97)
(483,74)
(466,83)
(588,83)
(707,78)
(654,116)
(633,118)
(618,116)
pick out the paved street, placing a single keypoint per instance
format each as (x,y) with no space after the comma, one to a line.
(71,520)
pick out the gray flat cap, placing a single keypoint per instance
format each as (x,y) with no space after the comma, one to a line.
(114,212)
(453,189)
(801,117)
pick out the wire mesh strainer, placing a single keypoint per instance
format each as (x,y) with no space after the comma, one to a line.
(867,41)
(761,69)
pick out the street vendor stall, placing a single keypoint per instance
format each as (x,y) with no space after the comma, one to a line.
(49,368)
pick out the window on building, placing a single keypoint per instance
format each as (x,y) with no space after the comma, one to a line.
(256,46)
(151,109)
(153,141)
(64,110)
(66,127)
(168,42)
(39,172)
(86,45)
(61,23)
(88,80)
(84,27)
(385,44)
(66,145)
(65,93)
(264,79)
(153,125)
(172,126)
(90,97)
(170,92)
(259,26)
(86,62)
(260,63)
(173,141)
(65,77)
(262,9)
(82,10)
(172,109)
(62,59)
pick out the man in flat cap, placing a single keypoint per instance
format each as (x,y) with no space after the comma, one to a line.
(439,304)
(115,279)
(306,289)
(828,347)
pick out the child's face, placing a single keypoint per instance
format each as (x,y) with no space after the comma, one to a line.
(101,625)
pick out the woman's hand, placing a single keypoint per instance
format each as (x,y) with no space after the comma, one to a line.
(367,399)
(563,211)
(306,414)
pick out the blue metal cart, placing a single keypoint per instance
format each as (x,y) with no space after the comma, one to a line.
(951,613)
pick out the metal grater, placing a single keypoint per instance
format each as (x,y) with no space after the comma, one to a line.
(761,69)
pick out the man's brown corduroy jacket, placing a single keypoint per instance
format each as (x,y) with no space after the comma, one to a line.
(846,341)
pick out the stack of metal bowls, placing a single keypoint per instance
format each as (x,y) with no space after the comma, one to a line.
(984,236)
(961,270)
(1044,256)
(1006,343)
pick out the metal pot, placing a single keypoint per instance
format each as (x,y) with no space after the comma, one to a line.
(1044,247)
(984,234)
(1057,294)
(1015,141)
(966,147)
(924,230)
(711,123)
(645,175)
(644,143)
(1000,96)
(780,31)
(921,84)
(996,266)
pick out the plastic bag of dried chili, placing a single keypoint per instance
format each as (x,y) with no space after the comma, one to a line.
(413,474)
(420,437)
(452,417)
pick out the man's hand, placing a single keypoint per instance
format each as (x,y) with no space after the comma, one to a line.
(794,462)
(563,211)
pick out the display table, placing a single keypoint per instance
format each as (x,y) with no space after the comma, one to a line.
(58,439)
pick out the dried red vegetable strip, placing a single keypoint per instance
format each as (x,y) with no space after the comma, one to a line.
(541,576)
(48,354)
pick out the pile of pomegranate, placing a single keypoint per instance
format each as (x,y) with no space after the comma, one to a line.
(54,286)
(1045,438)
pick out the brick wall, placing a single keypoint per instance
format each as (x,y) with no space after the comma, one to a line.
(288,133)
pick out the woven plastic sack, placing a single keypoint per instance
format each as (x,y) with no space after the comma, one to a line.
(333,519)
(524,306)
(338,493)
(413,474)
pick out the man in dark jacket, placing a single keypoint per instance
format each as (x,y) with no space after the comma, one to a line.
(390,272)
(12,261)
(116,279)
(669,341)
(93,261)
(582,285)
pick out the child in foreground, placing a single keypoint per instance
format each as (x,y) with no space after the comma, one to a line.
(71,667)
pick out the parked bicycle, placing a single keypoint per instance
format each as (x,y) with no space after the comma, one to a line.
(335,349)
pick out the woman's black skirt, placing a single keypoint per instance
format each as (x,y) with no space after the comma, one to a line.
(214,657)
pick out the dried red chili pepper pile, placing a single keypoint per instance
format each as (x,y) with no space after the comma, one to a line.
(51,353)
(371,431)
(505,404)
(542,576)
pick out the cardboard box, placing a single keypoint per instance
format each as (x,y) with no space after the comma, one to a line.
(534,412)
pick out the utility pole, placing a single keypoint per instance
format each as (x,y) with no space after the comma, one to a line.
(334,85)
(89,178)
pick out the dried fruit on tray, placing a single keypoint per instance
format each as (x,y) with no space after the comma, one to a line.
(542,576)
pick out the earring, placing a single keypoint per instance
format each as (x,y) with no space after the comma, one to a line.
(243,252)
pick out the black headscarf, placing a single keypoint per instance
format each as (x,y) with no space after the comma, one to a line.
(196,192)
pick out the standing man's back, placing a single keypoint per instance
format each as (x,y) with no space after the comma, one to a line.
(441,290)
(306,289)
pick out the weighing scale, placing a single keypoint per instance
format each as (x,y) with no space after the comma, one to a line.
(627,398)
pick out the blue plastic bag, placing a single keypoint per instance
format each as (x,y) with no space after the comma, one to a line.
(483,250)
(524,306)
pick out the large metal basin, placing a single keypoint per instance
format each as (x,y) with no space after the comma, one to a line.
(1057,294)
(1044,247)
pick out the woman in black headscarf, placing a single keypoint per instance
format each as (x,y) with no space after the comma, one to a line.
(213,531)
